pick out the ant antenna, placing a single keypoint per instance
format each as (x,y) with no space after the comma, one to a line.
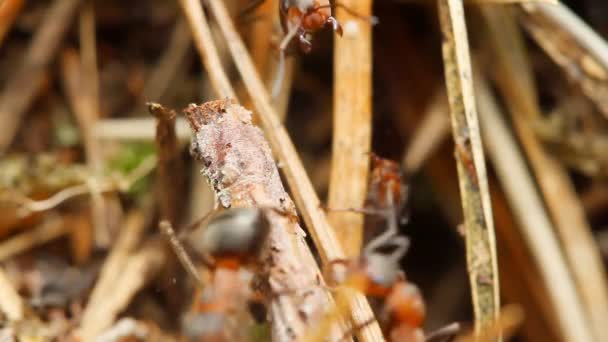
(372,19)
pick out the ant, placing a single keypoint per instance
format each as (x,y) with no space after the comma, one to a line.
(386,195)
(230,241)
(378,275)
(301,19)
(377,272)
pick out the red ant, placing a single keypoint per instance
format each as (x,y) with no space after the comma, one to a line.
(376,271)
(230,241)
(378,275)
(302,19)
(386,178)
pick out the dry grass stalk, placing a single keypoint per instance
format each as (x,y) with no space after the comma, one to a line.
(580,65)
(9,9)
(529,211)
(170,166)
(352,124)
(136,271)
(203,41)
(81,100)
(283,147)
(136,129)
(169,64)
(11,304)
(111,271)
(239,164)
(559,194)
(29,205)
(262,29)
(511,318)
(48,230)
(428,136)
(22,87)
(477,211)
(568,21)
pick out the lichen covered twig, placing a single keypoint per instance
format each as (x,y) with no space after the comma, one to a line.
(239,165)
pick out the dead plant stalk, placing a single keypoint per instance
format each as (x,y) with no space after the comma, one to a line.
(478,221)
(352,129)
(529,211)
(514,79)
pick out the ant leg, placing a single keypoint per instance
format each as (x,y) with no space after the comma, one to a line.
(365,211)
(192,226)
(391,231)
(446,333)
(305,44)
(183,257)
(402,244)
(335,25)
(278,82)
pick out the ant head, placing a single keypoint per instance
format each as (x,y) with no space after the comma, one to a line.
(315,20)
(235,232)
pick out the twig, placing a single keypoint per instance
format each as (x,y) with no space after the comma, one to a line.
(529,211)
(9,9)
(514,80)
(352,127)
(283,147)
(11,303)
(170,166)
(478,221)
(167,230)
(238,162)
(88,60)
(111,271)
(50,229)
(21,88)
